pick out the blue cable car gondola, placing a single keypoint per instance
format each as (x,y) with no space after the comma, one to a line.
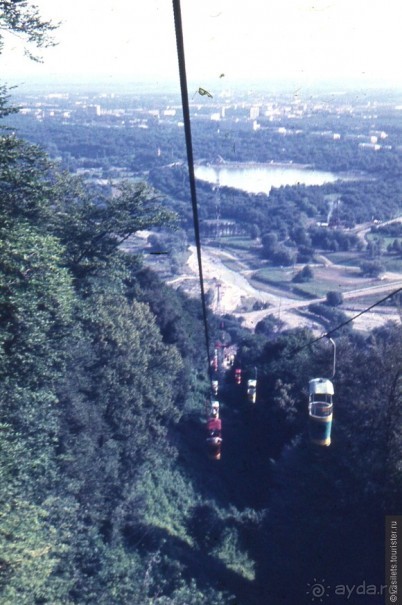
(320,406)
(320,409)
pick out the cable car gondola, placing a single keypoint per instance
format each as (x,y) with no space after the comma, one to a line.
(238,375)
(320,407)
(214,439)
(214,431)
(252,390)
(214,411)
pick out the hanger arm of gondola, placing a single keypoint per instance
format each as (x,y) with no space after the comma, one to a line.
(331,340)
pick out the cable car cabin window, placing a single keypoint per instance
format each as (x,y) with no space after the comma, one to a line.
(321,409)
(321,397)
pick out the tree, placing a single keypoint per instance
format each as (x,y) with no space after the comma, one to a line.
(304,275)
(269,243)
(269,325)
(305,254)
(255,231)
(371,268)
(35,319)
(92,230)
(301,237)
(22,19)
(375,247)
(334,298)
(31,552)
(36,306)
(27,178)
(284,256)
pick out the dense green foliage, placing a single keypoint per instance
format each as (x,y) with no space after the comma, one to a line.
(106,492)
(91,386)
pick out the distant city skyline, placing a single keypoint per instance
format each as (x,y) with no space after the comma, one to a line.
(297,41)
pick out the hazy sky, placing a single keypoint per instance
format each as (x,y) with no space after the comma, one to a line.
(300,40)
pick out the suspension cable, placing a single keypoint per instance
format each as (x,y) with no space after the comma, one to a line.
(190,161)
(344,323)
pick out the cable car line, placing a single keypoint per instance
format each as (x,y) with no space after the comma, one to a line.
(213,423)
(320,389)
(348,321)
(190,161)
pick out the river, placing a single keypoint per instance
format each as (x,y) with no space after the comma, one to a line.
(260,178)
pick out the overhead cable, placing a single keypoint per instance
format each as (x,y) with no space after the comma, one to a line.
(190,160)
(346,322)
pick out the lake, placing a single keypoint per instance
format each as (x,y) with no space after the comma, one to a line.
(260,178)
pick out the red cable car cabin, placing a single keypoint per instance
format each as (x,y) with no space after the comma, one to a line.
(214,439)
(238,376)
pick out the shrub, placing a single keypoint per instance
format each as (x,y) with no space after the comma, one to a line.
(334,299)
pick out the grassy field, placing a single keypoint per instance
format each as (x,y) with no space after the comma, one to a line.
(392,263)
(238,243)
(278,289)
(353,259)
(233,265)
(386,240)
(279,280)
(349,259)
(274,275)
(316,288)
(323,280)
